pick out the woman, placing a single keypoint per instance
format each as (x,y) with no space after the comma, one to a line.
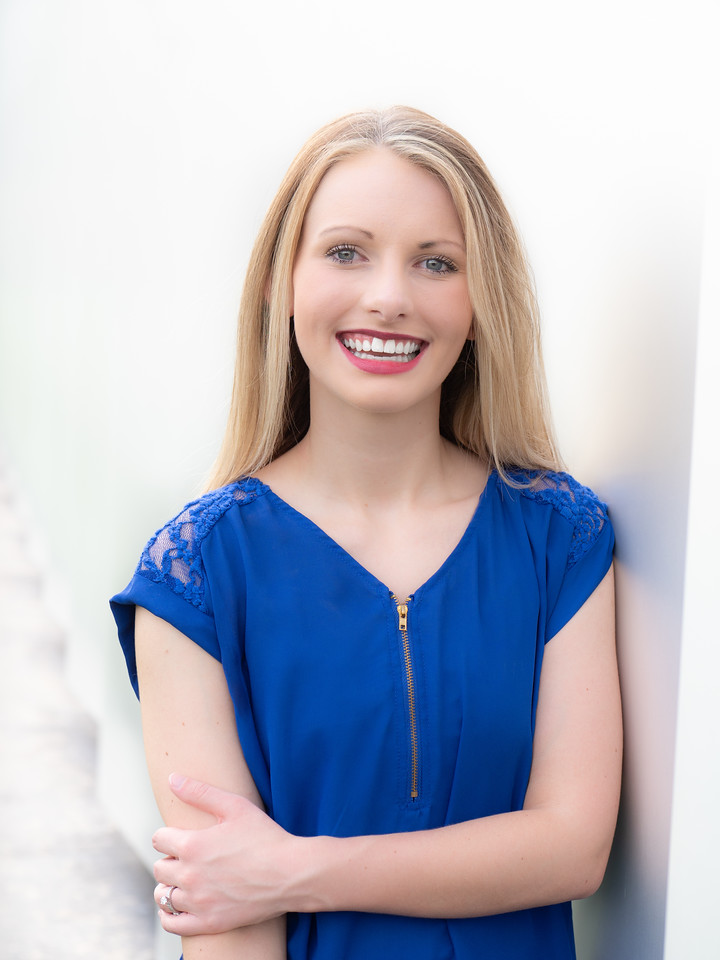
(389,624)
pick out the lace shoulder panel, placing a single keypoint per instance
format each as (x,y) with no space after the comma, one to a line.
(576,503)
(172,556)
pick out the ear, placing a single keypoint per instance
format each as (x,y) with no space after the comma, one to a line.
(471,330)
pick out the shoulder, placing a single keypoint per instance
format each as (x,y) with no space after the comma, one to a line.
(577,506)
(173,555)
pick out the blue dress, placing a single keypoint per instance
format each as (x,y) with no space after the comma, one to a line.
(360,713)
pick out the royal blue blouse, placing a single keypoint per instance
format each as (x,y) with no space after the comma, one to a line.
(360,713)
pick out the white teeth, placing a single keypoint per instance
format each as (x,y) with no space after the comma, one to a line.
(398,350)
(388,359)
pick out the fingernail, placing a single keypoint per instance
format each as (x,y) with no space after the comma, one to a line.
(176,781)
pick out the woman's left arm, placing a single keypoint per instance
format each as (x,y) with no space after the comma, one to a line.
(554,849)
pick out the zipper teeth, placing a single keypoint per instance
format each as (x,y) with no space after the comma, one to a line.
(410,682)
(413,718)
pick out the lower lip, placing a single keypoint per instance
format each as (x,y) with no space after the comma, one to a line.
(380,366)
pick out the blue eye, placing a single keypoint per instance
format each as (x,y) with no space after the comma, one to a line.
(439,265)
(343,253)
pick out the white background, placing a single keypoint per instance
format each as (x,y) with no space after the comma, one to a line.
(141,143)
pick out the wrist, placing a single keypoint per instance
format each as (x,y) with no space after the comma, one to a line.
(316,885)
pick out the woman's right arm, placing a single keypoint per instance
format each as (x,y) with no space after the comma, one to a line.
(189,725)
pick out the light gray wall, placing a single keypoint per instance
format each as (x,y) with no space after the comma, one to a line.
(141,142)
(691,928)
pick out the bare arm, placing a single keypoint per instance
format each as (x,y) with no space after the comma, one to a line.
(553,850)
(189,724)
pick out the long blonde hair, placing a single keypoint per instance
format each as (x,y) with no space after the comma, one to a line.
(494,401)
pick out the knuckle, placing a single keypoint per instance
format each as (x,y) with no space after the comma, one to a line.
(160,869)
(183,847)
(187,878)
(213,923)
(201,789)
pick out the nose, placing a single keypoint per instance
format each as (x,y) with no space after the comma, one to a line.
(387,293)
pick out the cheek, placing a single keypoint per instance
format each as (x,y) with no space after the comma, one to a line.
(456,313)
(313,311)
(315,318)
(316,298)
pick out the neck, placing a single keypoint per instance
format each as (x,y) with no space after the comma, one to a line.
(375,457)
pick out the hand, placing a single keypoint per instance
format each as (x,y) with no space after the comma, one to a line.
(232,874)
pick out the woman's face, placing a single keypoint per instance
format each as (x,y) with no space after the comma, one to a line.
(380,295)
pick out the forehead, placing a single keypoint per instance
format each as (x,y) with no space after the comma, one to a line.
(380,187)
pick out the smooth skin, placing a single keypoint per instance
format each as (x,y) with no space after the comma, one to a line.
(382,250)
(189,724)
(373,462)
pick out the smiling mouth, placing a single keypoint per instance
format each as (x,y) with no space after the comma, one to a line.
(375,348)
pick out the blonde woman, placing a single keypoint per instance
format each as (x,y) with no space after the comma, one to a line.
(376,661)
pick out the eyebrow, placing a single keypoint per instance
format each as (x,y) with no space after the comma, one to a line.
(427,245)
(370,236)
(438,243)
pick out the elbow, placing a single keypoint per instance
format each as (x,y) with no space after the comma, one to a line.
(587,842)
(589,873)
(587,886)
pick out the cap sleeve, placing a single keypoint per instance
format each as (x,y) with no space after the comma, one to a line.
(171,580)
(580,541)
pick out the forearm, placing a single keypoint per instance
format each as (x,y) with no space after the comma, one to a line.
(494,865)
(553,850)
(247,868)
(263,941)
(188,721)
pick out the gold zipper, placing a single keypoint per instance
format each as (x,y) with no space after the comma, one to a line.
(402,610)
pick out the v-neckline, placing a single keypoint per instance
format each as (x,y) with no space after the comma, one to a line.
(367,574)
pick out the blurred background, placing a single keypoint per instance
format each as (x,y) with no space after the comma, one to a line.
(140,143)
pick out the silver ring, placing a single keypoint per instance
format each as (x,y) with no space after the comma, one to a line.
(167,904)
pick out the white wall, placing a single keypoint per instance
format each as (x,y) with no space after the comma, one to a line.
(692,929)
(141,142)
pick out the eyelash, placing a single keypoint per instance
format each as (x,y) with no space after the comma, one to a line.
(341,247)
(450,266)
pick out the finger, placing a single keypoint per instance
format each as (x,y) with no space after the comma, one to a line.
(170,891)
(183,925)
(167,840)
(167,871)
(169,899)
(203,796)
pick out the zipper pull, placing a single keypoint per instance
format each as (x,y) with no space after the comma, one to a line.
(402,609)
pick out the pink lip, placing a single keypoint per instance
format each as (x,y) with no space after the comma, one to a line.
(380,366)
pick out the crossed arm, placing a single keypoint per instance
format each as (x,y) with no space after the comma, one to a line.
(247,869)
(189,724)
